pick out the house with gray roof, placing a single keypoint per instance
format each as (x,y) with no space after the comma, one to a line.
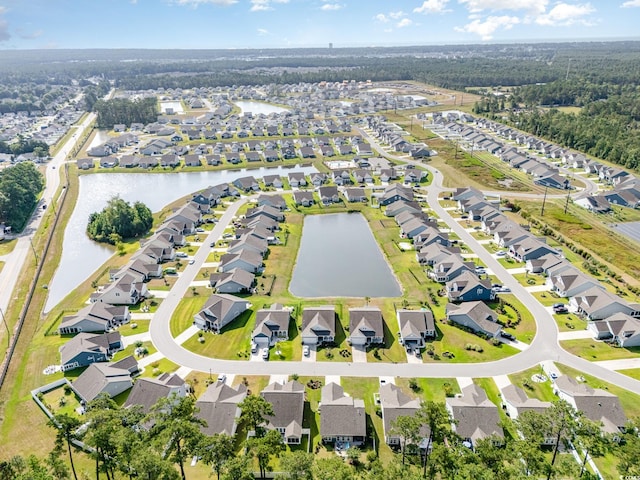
(126,290)
(435,253)
(596,303)
(598,405)
(329,194)
(394,192)
(266,211)
(467,287)
(475,316)
(219,310)
(366,326)
(395,403)
(515,401)
(297,179)
(249,243)
(476,417)
(570,282)
(343,419)
(87,348)
(620,328)
(449,268)
(303,197)
(245,260)
(218,407)
(318,325)
(355,194)
(246,184)
(400,206)
(272,325)
(415,327)
(148,391)
(105,378)
(275,201)
(287,401)
(233,281)
(95,317)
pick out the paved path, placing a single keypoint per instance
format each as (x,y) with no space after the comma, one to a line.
(359,354)
(575,335)
(332,379)
(502,381)
(464,382)
(132,339)
(623,364)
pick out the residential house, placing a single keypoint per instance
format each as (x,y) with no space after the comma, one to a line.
(249,243)
(85,163)
(87,348)
(318,325)
(297,179)
(267,211)
(395,403)
(366,326)
(450,268)
(288,409)
(148,391)
(343,419)
(274,181)
(475,316)
(218,407)
(303,197)
(275,201)
(529,248)
(355,194)
(415,327)
(596,303)
(272,325)
(329,194)
(515,401)
(395,192)
(475,416)
(246,184)
(95,317)
(111,379)
(125,290)
(234,281)
(597,405)
(245,260)
(620,328)
(467,287)
(569,282)
(219,310)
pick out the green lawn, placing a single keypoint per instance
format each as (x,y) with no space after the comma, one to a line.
(232,344)
(430,389)
(548,298)
(529,280)
(568,322)
(632,372)
(7,246)
(630,401)
(131,348)
(593,350)
(142,326)
(182,317)
(454,340)
(526,329)
(158,368)
(542,391)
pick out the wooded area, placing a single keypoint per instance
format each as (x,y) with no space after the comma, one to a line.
(20,186)
(119,220)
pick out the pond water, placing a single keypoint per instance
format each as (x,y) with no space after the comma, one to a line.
(82,256)
(257,108)
(339,257)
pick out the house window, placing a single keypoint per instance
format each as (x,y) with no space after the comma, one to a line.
(479,291)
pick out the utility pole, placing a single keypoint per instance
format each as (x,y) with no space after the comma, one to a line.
(544,200)
(4,320)
(34,250)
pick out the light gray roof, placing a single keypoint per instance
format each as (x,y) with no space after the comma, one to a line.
(218,406)
(288,404)
(319,319)
(95,379)
(147,391)
(366,321)
(341,415)
(523,403)
(477,417)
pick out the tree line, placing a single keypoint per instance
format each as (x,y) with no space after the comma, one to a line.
(127,443)
(123,110)
(23,145)
(119,220)
(20,186)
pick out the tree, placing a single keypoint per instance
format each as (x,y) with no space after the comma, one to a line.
(254,410)
(216,451)
(264,447)
(66,427)
(407,428)
(297,465)
(438,420)
(102,415)
(629,450)
(559,422)
(146,464)
(592,441)
(176,429)
(119,220)
(20,185)
(332,468)
(238,468)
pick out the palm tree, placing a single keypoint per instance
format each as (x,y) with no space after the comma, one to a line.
(66,427)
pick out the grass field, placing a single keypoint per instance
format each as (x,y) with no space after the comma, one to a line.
(7,246)
(542,391)
(593,350)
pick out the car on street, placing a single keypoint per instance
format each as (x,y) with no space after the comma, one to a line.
(192,261)
(553,375)
(265,353)
(181,255)
(306,351)
(200,230)
(560,308)
(507,335)
(500,253)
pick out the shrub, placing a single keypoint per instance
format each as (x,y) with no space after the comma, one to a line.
(413,385)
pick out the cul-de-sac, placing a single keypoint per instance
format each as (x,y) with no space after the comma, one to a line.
(363,263)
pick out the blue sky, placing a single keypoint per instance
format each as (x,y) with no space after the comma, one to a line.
(307,23)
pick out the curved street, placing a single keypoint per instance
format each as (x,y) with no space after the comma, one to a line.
(545,346)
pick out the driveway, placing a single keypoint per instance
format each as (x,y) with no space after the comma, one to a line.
(359,354)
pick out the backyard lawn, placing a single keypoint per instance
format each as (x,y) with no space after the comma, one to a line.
(233,343)
(593,350)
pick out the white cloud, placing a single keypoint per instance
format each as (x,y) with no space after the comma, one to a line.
(327,7)
(533,6)
(262,32)
(197,3)
(405,22)
(397,15)
(564,14)
(381,17)
(485,29)
(631,3)
(263,5)
(432,6)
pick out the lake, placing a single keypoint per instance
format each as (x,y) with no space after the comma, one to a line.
(81,256)
(339,257)
(257,108)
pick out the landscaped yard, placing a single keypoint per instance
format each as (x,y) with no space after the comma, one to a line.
(593,350)
(141,326)
(540,390)
(526,329)
(430,389)
(529,280)
(233,343)
(548,298)
(183,315)
(493,393)
(568,322)
(632,372)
